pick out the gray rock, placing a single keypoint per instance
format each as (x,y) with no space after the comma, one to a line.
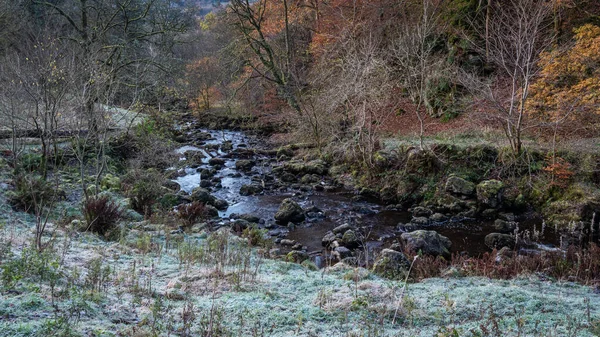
(328,239)
(287,242)
(211,211)
(428,242)
(216,161)
(460,186)
(438,217)
(201,194)
(420,220)
(342,228)
(220,204)
(289,211)
(249,218)
(250,189)
(391,264)
(342,252)
(498,240)
(504,226)
(244,165)
(421,211)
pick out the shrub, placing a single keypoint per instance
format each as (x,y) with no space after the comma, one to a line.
(31,192)
(191,213)
(257,237)
(101,214)
(144,189)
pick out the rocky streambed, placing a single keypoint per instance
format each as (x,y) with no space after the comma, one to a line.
(311,215)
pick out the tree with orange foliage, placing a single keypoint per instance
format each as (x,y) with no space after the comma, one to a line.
(569,82)
(266,27)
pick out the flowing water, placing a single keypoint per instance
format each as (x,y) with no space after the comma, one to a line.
(337,206)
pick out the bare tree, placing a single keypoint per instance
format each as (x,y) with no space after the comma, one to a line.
(272,65)
(415,57)
(354,99)
(517,34)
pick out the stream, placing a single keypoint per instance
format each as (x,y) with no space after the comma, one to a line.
(326,205)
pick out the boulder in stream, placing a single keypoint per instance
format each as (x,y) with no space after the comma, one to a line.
(244,165)
(251,189)
(289,211)
(498,240)
(216,161)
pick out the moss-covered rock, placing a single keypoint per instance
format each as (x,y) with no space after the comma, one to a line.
(460,186)
(251,189)
(202,195)
(391,264)
(490,192)
(422,162)
(296,256)
(244,165)
(289,211)
(427,242)
(110,183)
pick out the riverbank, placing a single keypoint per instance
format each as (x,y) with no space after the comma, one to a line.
(164,269)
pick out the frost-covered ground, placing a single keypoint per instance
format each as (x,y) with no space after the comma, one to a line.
(152,282)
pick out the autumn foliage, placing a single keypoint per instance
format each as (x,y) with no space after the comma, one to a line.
(568,88)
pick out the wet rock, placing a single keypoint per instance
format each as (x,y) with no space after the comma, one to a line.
(206,183)
(288,177)
(310,179)
(250,189)
(489,213)
(211,211)
(202,136)
(438,217)
(287,242)
(296,256)
(391,264)
(460,186)
(503,226)
(216,161)
(489,193)
(227,146)
(244,165)
(421,211)
(342,228)
(289,211)
(427,242)
(499,240)
(220,204)
(507,216)
(419,220)
(328,239)
(239,225)
(250,218)
(341,252)
(202,195)
(193,156)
